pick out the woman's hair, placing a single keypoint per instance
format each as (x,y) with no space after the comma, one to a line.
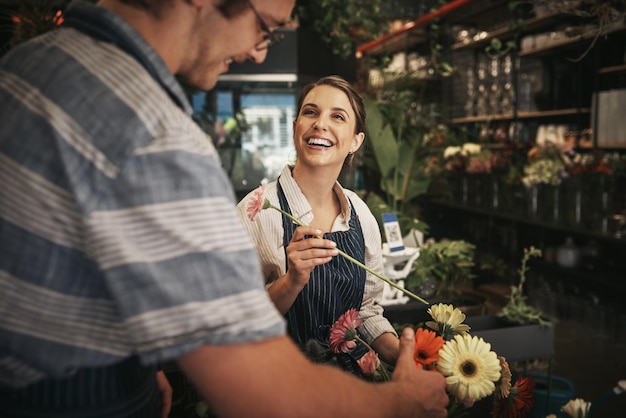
(339,83)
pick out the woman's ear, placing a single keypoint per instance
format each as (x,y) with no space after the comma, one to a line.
(357,142)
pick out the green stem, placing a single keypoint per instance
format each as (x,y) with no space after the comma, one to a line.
(355,261)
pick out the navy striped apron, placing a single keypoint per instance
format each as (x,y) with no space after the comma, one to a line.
(333,288)
(126,389)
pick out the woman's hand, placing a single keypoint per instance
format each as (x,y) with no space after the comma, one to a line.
(306,251)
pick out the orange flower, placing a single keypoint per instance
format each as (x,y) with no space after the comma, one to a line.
(427,345)
(343,332)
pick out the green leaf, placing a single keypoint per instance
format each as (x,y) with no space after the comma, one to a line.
(381,139)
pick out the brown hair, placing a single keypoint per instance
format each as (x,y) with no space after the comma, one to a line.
(355,99)
(228,8)
(339,83)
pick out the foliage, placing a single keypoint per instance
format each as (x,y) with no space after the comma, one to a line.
(450,261)
(496,47)
(517,310)
(343,23)
(399,131)
(30,18)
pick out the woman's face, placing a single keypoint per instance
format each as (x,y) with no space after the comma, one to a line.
(324,129)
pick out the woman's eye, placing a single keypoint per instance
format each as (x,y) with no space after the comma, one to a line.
(339,117)
(308,112)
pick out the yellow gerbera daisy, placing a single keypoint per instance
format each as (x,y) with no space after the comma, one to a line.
(447,320)
(470,367)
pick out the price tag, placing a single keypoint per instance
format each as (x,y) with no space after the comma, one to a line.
(392,232)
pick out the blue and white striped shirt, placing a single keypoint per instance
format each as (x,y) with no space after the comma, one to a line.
(118,229)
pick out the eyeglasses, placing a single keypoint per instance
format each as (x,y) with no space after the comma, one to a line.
(271,37)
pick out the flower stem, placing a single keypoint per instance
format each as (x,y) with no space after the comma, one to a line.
(353,260)
(381,367)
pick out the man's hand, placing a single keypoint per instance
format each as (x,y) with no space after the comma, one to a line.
(166,393)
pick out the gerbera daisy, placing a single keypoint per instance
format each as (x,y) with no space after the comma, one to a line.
(343,332)
(257,201)
(470,367)
(577,408)
(369,363)
(504,384)
(427,346)
(520,399)
(448,320)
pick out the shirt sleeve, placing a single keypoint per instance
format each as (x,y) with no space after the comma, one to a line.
(169,221)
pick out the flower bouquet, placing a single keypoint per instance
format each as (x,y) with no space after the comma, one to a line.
(472,370)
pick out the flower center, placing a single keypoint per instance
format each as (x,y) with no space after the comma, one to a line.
(468,368)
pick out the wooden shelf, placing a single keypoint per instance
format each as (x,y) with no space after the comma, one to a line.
(505,33)
(523,115)
(613,69)
(573,41)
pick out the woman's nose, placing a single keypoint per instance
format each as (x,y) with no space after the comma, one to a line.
(319,123)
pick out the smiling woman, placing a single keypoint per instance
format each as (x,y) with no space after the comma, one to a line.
(304,278)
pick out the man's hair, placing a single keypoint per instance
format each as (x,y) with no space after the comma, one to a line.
(228,8)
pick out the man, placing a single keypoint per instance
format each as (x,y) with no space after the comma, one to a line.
(120,245)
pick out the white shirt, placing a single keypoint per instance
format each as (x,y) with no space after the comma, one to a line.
(267,233)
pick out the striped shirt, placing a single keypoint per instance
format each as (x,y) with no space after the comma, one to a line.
(119,235)
(267,232)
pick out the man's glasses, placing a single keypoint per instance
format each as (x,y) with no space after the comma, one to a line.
(271,37)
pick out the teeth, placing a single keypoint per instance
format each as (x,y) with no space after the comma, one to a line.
(320,142)
(229,60)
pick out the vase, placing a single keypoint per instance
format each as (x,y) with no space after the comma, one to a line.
(549,203)
(532,201)
(572,204)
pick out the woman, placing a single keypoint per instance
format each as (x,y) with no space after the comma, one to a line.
(307,282)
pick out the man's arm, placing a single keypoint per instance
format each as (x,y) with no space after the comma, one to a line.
(274,379)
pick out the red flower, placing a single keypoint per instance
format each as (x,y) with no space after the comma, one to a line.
(343,332)
(255,205)
(368,363)
(520,399)
(427,345)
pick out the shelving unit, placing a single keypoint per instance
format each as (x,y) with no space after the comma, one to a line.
(569,103)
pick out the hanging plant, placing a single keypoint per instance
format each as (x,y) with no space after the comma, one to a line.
(342,24)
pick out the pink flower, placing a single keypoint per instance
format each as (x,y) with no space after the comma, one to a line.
(368,363)
(255,205)
(343,332)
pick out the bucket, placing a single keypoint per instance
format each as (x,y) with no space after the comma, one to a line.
(561,391)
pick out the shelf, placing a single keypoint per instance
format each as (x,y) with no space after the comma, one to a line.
(562,43)
(505,33)
(529,221)
(523,115)
(613,69)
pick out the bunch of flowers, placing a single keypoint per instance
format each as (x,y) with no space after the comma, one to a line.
(472,370)
(548,164)
(456,157)
(258,202)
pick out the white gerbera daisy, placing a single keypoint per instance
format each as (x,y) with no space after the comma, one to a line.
(577,408)
(448,320)
(470,367)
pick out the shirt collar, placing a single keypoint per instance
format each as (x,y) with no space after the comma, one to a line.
(300,207)
(106,26)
